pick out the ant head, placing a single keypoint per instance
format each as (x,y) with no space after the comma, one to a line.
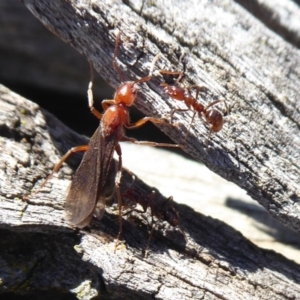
(169,213)
(171,216)
(126,93)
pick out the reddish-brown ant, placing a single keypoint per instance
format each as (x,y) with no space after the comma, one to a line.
(162,210)
(96,177)
(211,116)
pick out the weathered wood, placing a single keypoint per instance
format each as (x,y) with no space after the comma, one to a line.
(214,261)
(282,17)
(238,59)
(33,57)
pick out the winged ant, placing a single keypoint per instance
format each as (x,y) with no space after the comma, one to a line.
(95,181)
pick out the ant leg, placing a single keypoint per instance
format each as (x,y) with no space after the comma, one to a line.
(144,120)
(183,110)
(94,111)
(131,210)
(173,73)
(214,117)
(147,78)
(123,195)
(216,102)
(198,89)
(183,233)
(107,103)
(227,108)
(152,225)
(162,71)
(144,79)
(175,111)
(118,38)
(189,130)
(147,143)
(155,59)
(203,119)
(209,135)
(127,194)
(58,166)
(150,236)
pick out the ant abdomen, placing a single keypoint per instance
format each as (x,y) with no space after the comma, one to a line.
(215,119)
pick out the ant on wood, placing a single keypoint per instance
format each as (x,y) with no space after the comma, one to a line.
(97,178)
(162,210)
(208,114)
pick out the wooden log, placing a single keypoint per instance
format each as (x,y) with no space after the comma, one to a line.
(222,55)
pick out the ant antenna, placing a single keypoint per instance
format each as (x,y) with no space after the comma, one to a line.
(144,79)
(118,38)
(156,58)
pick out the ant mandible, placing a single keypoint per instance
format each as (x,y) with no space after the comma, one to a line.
(211,116)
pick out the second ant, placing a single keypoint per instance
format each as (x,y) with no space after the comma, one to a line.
(161,210)
(208,114)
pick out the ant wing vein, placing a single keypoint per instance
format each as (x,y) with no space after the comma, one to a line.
(106,197)
(89,182)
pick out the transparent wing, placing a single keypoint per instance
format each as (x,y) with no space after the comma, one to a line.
(89,184)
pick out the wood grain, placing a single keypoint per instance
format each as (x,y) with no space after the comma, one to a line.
(238,58)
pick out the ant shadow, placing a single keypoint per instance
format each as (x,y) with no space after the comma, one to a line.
(265,222)
(226,243)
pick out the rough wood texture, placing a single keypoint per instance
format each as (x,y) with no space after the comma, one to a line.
(31,56)
(239,59)
(214,262)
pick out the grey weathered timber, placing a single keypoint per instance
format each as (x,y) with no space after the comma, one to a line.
(239,59)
